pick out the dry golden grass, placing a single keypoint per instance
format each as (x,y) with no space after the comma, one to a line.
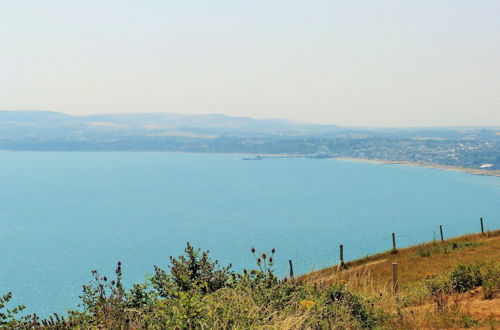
(415,308)
(411,266)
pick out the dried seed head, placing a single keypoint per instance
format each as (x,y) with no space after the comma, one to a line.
(270,259)
(104,278)
(253,250)
(273,250)
(264,256)
(259,261)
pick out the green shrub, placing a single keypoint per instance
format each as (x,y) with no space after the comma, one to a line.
(468,322)
(490,273)
(8,316)
(186,311)
(429,250)
(443,248)
(439,285)
(465,277)
(196,293)
(338,295)
(195,270)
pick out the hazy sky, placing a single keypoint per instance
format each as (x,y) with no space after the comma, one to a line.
(377,63)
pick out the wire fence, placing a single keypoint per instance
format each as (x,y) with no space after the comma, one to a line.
(328,256)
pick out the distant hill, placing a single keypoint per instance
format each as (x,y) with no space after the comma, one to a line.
(471,147)
(159,122)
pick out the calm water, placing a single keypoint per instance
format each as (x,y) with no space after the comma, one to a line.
(64,214)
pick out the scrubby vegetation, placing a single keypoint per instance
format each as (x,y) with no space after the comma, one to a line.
(7,316)
(198,293)
(437,248)
(466,277)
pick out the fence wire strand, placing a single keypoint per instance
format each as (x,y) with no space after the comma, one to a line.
(328,256)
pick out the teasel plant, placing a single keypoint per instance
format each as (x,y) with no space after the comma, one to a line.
(265,263)
(105,299)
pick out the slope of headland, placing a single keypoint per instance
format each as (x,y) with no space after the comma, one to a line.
(421,269)
(452,284)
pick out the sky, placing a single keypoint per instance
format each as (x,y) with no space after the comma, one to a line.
(353,63)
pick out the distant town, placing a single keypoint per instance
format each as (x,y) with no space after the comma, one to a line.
(469,147)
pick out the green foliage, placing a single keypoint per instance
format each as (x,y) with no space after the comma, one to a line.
(139,296)
(339,295)
(186,311)
(465,277)
(439,285)
(443,248)
(8,316)
(469,322)
(197,293)
(490,274)
(105,302)
(195,270)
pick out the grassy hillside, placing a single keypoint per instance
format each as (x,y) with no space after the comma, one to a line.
(420,269)
(451,284)
(420,261)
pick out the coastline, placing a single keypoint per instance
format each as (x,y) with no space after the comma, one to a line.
(495,173)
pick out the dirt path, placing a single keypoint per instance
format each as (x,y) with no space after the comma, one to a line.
(367,265)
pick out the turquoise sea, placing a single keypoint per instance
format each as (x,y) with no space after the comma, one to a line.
(64,214)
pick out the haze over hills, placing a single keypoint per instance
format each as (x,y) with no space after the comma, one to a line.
(474,147)
(151,123)
(11,120)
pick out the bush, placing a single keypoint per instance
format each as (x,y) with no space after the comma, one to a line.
(105,302)
(439,285)
(443,248)
(355,305)
(186,311)
(428,250)
(490,273)
(192,271)
(197,293)
(465,277)
(8,317)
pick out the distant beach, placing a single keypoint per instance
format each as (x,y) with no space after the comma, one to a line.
(436,166)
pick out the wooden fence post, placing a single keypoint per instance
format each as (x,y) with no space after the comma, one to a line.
(394,242)
(482,227)
(291,269)
(395,278)
(441,231)
(341,264)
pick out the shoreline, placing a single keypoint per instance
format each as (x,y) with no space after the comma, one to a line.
(495,173)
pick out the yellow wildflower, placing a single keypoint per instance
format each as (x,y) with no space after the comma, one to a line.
(307,304)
